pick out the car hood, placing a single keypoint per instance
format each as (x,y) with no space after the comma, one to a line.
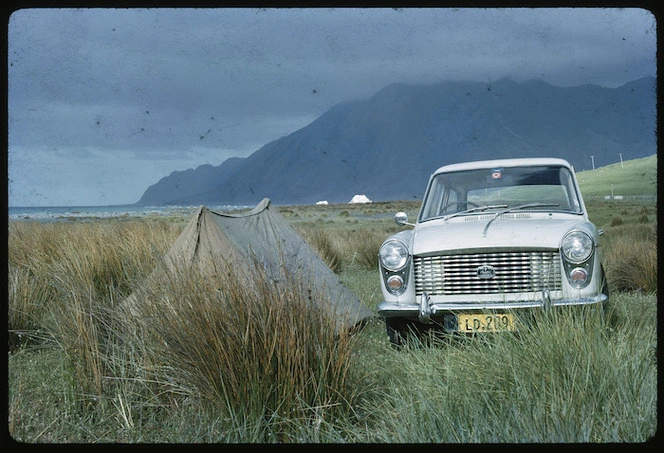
(508,231)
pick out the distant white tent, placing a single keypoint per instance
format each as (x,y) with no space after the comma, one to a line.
(214,241)
(359,199)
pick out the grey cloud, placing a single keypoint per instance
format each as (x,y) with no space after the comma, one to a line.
(158,84)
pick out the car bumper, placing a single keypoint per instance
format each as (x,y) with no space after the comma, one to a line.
(425,310)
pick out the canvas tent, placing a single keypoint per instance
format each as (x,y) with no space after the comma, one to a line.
(213,240)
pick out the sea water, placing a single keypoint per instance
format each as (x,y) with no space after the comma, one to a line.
(63,213)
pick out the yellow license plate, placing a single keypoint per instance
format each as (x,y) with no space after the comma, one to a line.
(485,322)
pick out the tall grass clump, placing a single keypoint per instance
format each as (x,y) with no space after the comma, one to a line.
(88,254)
(365,244)
(630,257)
(342,248)
(65,281)
(28,298)
(563,378)
(79,328)
(268,356)
(325,245)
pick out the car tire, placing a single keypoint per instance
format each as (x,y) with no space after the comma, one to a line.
(397,330)
(608,312)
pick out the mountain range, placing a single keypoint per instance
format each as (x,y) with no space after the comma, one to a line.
(386,146)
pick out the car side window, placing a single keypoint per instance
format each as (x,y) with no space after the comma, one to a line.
(567,182)
(433,199)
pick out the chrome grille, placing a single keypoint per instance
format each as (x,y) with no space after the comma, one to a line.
(515,272)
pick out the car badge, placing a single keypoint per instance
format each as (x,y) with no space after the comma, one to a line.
(486,272)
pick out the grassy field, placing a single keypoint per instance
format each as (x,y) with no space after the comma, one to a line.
(214,367)
(636,177)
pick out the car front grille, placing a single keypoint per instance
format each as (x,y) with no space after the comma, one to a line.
(506,272)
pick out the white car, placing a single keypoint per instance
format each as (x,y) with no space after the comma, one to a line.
(492,238)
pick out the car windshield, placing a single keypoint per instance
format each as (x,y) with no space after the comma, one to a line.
(549,188)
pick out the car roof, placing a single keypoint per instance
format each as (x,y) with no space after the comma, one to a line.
(498,163)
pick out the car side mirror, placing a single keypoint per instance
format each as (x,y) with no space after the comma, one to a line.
(401,219)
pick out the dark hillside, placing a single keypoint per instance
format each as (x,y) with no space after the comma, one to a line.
(387,146)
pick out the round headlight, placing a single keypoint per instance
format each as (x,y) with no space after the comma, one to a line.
(393,255)
(577,247)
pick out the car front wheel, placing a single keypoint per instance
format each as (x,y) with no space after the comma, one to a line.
(397,330)
(608,311)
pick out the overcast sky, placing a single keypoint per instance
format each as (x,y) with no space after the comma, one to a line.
(105,102)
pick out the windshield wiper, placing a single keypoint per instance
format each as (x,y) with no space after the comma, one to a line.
(475,209)
(516,208)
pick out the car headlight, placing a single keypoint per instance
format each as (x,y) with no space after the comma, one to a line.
(393,255)
(577,246)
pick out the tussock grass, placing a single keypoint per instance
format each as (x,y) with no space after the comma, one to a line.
(211,359)
(341,249)
(263,354)
(256,356)
(28,298)
(365,245)
(97,255)
(630,257)
(77,329)
(563,378)
(327,247)
(65,281)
